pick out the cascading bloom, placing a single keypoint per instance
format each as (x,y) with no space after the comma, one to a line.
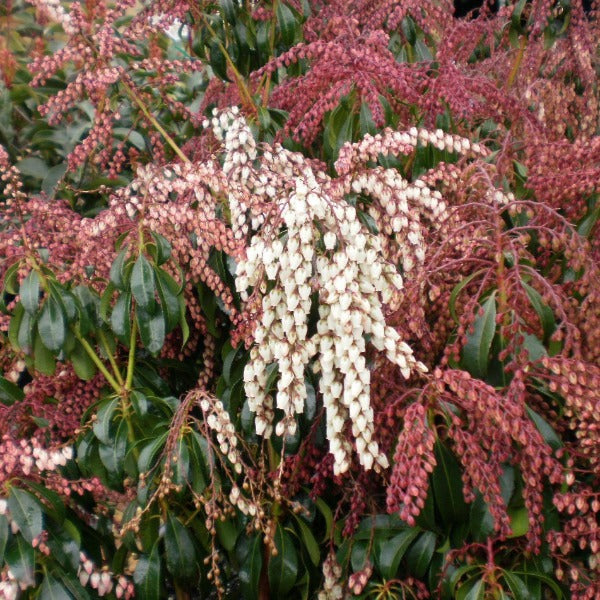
(310,248)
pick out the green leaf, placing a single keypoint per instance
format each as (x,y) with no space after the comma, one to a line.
(117,270)
(324,509)
(4,533)
(365,120)
(163,247)
(519,521)
(287,23)
(120,318)
(72,584)
(53,505)
(391,551)
(517,586)
(227,533)
(228,10)
(147,576)
(420,553)
(447,487)
(52,325)
(217,61)
(168,300)
(53,590)
(148,454)
(54,175)
(84,366)
(152,329)
(43,359)
(142,283)
(20,557)
(9,392)
(180,550)
(113,454)
(359,555)
(11,278)
(25,332)
(250,569)
(104,416)
(550,436)
(457,290)
(25,511)
(308,539)
(33,167)
(30,293)
(542,309)
(482,522)
(476,353)
(283,568)
(476,592)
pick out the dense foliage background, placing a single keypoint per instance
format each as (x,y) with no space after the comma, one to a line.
(299,299)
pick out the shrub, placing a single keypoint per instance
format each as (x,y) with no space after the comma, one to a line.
(299,299)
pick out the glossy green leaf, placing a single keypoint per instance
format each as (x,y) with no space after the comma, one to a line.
(218,61)
(10,280)
(149,452)
(26,512)
(9,392)
(44,360)
(287,23)
(283,567)
(104,417)
(52,324)
(33,167)
(227,533)
(53,504)
(309,542)
(517,586)
(30,292)
(228,10)
(419,555)
(4,534)
(365,120)
(147,574)
(447,487)
(52,178)
(52,589)
(180,550)
(250,568)
(391,551)
(542,309)
(163,248)
(519,521)
(168,299)
(112,454)
(120,318)
(152,329)
(84,366)
(25,332)
(143,285)
(476,353)
(548,433)
(472,592)
(20,557)
(117,270)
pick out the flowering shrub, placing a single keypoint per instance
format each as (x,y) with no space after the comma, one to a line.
(299,299)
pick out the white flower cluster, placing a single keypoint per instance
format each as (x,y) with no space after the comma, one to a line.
(398,208)
(312,246)
(332,573)
(241,151)
(43,460)
(389,141)
(9,586)
(54,10)
(217,418)
(102,580)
